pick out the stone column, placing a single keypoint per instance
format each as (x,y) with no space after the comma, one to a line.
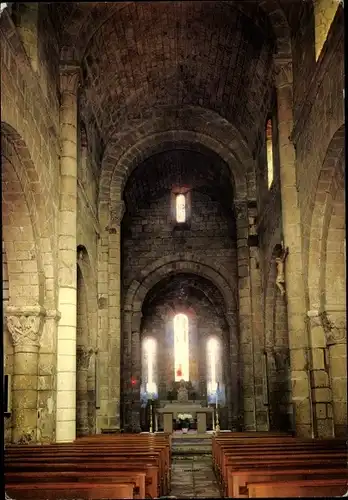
(136,372)
(66,342)
(334,321)
(84,354)
(114,340)
(291,221)
(25,325)
(246,341)
(91,391)
(233,375)
(320,380)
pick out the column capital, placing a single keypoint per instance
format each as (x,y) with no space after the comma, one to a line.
(334,324)
(116,214)
(136,320)
(83,356)
(69,77)
(282,71)
(25,324)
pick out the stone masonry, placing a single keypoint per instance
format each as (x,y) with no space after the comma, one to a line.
(109,110)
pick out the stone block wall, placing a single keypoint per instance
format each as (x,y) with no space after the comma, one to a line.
(151,234)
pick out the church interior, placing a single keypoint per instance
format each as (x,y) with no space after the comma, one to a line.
(173,249)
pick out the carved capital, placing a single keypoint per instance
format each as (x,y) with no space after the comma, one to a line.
(116,215)
(282,71)
(69,77)
(241,210)
(25,325)
(314,317)
(136,321)
(83,357)
(334,324)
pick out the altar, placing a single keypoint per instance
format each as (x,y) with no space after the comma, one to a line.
(170,412)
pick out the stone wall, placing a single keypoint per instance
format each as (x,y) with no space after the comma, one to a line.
(151,234)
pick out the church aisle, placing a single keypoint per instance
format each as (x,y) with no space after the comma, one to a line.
(193,476)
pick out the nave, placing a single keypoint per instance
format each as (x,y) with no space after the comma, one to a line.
(147,465)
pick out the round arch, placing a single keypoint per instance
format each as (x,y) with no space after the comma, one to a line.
(171,264)
(171,126)
(329,180)
(20,221)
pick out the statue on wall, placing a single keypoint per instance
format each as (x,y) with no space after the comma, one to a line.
(280,254)
(182,392)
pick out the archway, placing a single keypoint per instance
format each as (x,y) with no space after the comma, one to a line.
(25,282)
(326,287)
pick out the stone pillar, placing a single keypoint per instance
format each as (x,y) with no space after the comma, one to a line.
(25,325)
(261,416)
(91,391)
(66,342)
(291,221)
(136,372)
(233,375)
(114,290)
(246,342)
(84,354)
(320,381)
(336,338)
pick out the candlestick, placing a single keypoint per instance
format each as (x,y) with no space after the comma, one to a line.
(151,426)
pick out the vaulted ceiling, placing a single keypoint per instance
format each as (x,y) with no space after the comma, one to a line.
(139,57)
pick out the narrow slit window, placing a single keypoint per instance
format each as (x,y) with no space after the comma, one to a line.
(149,367)
(269,151)
(181,348)
(180,202)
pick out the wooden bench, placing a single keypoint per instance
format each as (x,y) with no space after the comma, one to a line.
(137,479)
(234,455)
(299,488)
(238,480)
(70,491)
(115,456)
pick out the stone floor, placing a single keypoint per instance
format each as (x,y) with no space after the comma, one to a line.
(193,476)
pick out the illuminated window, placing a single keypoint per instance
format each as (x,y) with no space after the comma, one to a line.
(180,208)
(149,367)
(269,151)
(215,387)
(181,348)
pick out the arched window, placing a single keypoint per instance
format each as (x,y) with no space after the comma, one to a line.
(149,368)
(181,347)
(215,386)
(180,208)
(269,151)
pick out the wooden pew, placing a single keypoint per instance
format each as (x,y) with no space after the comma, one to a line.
(238,480)
(148,453)
(299,488)
(234,455)
(135,478)
(152,487)
(70,491)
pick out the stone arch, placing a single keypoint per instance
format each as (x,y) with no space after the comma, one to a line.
(189,125)
(132,317)
(324,196)
(21,225)
(324,14)
(167,265)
